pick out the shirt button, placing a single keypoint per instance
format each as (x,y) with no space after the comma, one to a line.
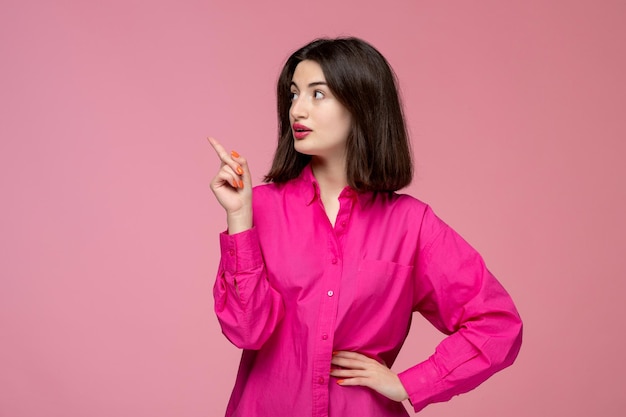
(343,223)
(231,252)
(330,293)
(324,336)
(320,380)
(334,261)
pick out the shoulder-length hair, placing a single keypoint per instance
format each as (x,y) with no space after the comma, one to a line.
(379,156)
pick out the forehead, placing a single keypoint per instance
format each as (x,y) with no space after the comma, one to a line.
(308,72)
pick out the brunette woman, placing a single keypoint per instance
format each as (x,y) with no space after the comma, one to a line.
(323,267)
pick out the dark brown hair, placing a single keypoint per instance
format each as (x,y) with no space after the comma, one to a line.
(379,157)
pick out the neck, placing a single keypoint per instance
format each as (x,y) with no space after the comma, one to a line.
(331,177)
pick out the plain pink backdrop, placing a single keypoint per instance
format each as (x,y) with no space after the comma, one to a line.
(108,230)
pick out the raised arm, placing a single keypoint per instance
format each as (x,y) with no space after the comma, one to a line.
(232,187)
(247,307)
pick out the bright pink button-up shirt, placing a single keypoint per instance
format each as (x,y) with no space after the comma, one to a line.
(293,289)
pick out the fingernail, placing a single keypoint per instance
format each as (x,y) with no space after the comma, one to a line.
(235,184)
(340,381)
(240,184)
(335,352)
(239,171)
(234,154)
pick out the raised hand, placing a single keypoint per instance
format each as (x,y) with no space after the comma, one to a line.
(358,369)
(232,187)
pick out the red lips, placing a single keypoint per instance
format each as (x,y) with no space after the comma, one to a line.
(300,131)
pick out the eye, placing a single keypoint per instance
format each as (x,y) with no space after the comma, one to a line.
(293,95)
(318,95)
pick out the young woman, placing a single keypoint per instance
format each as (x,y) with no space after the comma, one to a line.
(322,267)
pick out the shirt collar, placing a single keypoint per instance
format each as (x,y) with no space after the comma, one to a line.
(311,189)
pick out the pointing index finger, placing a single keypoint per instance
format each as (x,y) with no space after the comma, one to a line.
(219,149)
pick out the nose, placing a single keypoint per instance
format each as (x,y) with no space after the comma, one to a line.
(299,109)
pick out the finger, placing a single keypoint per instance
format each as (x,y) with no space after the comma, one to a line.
(220,181)
(354,362)
(225,157)
(242,168)
(349,373)
(219,149)
(357,381)
(350,363)
(225,176)
(230,171)
(234,178)
(352,355)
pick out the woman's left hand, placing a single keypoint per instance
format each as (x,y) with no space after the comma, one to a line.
(358,369)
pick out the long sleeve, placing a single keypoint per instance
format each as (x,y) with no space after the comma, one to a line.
(460,297)
(247,307)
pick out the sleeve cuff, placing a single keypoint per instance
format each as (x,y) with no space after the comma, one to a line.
(241,251)
(421,382)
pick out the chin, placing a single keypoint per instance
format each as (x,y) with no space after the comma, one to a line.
(306,150)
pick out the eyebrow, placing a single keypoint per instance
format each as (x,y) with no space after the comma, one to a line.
(313,84)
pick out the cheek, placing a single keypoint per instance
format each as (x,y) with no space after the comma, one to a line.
(289,114)
(346,123)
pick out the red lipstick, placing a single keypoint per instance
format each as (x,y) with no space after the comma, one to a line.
(300,131)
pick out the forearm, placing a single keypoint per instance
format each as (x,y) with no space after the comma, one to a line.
(464,360)
(239,221)
(246,305)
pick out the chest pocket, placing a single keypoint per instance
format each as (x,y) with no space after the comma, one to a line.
(385,273)
(383,282)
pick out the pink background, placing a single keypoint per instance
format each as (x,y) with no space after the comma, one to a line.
(108,230)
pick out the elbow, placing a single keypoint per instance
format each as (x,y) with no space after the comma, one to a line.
(246,342)
(516,344)
(251,330)
(245,337)
(506,347)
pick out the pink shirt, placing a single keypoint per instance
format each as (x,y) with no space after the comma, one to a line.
(294,289)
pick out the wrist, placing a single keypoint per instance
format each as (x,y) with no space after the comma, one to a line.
(239,221)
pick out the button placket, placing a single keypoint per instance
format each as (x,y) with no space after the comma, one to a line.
(328,311)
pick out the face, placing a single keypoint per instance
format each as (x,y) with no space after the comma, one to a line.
(320,124)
